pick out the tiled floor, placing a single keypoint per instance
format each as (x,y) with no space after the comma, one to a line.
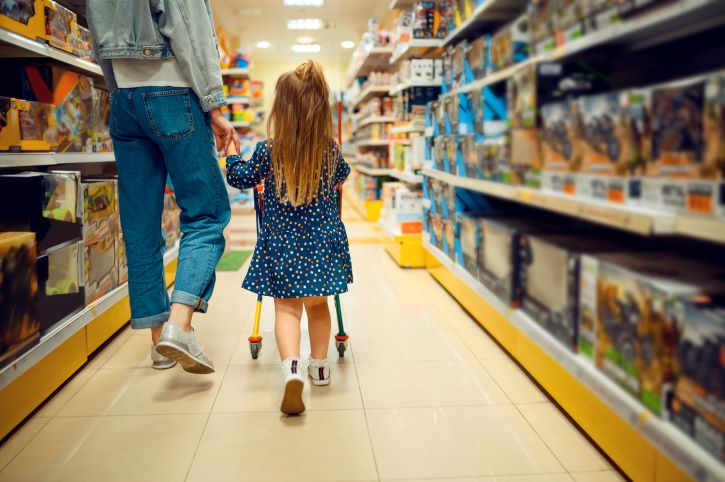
(423,394)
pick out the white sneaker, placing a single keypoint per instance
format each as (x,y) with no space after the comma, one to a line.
(294,384)
(183,347)
(319,372)
(160,362)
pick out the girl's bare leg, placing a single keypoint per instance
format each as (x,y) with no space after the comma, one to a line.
(288,313)
(318,316)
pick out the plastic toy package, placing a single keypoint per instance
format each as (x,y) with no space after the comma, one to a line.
(495,160)
(469,157)
(61,27)
(63,196)
(451,155)
(630,298)
(495,110)
(74,118)
(24,17)
(60,276)
(27,126)
(478,57)
(511,44)
(449,235)
(469,232)
(19,320)
(101,216)
(100,268)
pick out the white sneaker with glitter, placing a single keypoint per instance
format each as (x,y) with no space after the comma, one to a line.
(319,372)
(294,384)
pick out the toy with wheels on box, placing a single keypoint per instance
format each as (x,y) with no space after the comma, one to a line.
(19,323)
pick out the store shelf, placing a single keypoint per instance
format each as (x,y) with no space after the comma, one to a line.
(236,72)
(410,84)
(490,11)
(407,129)
(239,100)
(408,177)
(377,58)
(241,124)
(373,143)
(37,159)
(371,91)
(405,249)
(415,48)
(659,24)
(626,412)
(374,119)
(372,171)
(30,48)
(69,327)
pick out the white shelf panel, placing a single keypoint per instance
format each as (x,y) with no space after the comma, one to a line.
(407,129)
(371,91)
(67,328)
(43,50)
(414,49)
(374,119)
(410,84)
(490,11)
(377,58)
(408,177)
(372,171)
(677,446)
(241,124)
(373,143)
(37,159)
(236,72)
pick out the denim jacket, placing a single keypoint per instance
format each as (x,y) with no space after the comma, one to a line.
(155,29)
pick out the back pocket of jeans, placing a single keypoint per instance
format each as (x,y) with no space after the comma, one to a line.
(169,112)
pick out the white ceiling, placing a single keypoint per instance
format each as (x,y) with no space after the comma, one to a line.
(255,20)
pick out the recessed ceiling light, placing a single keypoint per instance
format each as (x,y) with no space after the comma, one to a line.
(263,44)
(347,44)
(306,48)
(305,24)
(305,40)
(303,3)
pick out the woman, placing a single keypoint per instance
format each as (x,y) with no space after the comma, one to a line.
(161,62)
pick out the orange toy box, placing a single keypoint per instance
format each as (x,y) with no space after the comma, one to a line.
(24,17)
(26,126)
(61,27)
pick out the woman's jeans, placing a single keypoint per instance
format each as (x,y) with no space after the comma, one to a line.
(160,131)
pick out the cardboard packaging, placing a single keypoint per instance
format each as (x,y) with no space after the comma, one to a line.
(541,16)
(60,278)
(626,325)
(478,57)
(85,44)
(511,44)
(100,268)
(101,216)
(563,145)
(549,273)
(170,220)
(19,321)
(24,17)
(27,126)
(469,157)
(469,232)
(61,27)
(45,204)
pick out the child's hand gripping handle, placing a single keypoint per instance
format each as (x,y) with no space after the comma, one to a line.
(232,150)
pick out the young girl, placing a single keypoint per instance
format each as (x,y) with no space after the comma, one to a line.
(302,254)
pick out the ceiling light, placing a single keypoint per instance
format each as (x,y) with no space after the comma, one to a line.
(347,44)
(263,44)
(306,48)
(305,24)
(303,3)
(305,40)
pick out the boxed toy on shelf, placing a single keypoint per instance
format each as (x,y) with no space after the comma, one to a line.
(24,17)
(402,208)
(60,279)
(100,268)
(61,27)
(43,203)
(27,126)
(563,145)
(511,44)
(430,19)
(627,322)
(85,44)
(122,261)
(170,220)
(469,232)
(101,217)
(19,321)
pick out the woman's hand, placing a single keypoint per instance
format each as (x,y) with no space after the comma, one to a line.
(224,132)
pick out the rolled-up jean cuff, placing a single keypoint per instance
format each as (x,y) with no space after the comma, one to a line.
(149,321)
(200,304)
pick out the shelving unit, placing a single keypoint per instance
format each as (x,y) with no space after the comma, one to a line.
(408,177)
(638,441)
(376,58)
(373,143)
(488,12)
(414,49)
(633,219)
(405,249)
(236,72)
(374,119)
(408,84)
(371,91)
(38,159)
(19,46)
(407,129)
(372,171)
(241,124)
(239,100)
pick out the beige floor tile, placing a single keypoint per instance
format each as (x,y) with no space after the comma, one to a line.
(479,341)
(110,449)
(103,354)
(408,345)
(603,476)
(394,317)
(22,437)
(457,442)
(53,405)
(512,379)
(144,391)
(427,384)
(135,353)
(270,353)
(535,478)
(250,388)
(454,479)
(318,446)
(572,449)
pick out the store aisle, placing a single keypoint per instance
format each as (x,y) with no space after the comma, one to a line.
(423,394)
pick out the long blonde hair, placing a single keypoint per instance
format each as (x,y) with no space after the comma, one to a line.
(300,125)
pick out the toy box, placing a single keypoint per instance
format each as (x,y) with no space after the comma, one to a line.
(458,65)
(74,117)
(570,24)
(511,44)
(474,112)
(100,210)
(495,161)
(606,142)
(85,44)
(26,126)
(19,322)
(60,278)
(627,325)
(451,155)
(436,225)
(449,235)
(549,274)
(24,17)
(469,157)
(495,110)
(499,255)
(603,13)
(541,17)
(697,402)
(452,112)
(170,220)
(469,233)
(101,131)
(60,26)
(439,152)
(563,142)
(478,57)
(526,158)
(45,204)
(100,268)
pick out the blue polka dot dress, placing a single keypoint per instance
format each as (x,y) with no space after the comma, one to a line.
(300,251)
